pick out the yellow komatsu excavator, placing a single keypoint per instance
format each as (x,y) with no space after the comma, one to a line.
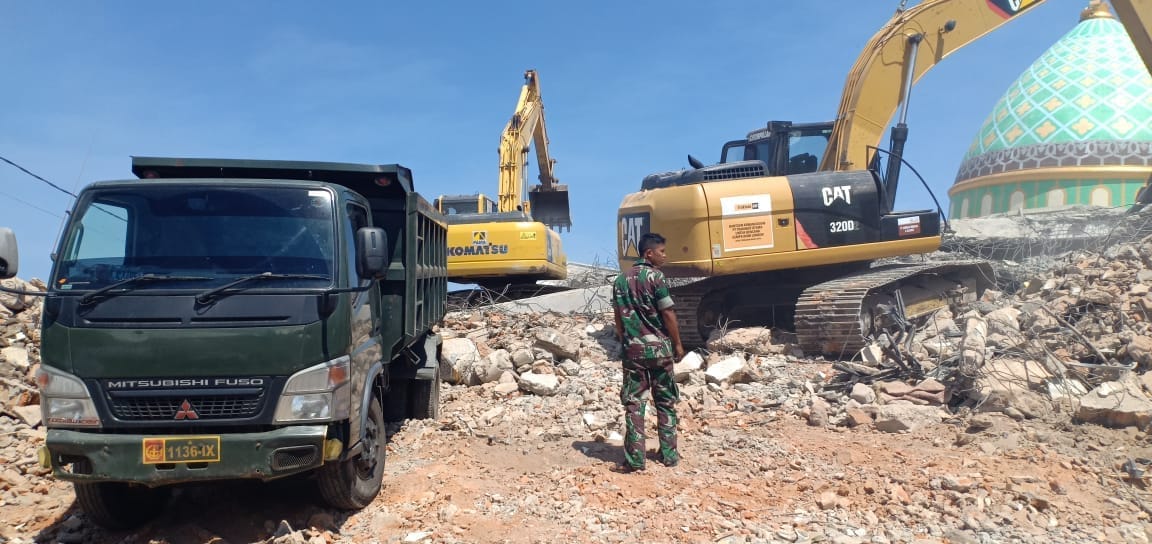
(785,229)
(509,244)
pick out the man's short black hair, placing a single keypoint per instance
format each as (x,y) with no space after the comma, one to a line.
(649,241)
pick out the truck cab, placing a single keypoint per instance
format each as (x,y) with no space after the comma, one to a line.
(223,319)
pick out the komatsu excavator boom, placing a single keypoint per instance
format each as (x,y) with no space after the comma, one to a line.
(548,201)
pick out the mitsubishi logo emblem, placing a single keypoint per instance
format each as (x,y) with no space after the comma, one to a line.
(186,411)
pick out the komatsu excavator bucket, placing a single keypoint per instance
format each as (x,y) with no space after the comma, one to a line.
(551,207)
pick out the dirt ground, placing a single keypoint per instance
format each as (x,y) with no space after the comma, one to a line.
(746,477)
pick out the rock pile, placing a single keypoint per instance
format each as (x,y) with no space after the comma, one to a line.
(19,350)
(1075,339)
(1071,341)
(534,353)
(739,407)
(26,496)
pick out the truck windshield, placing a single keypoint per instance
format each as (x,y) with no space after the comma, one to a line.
(216,233)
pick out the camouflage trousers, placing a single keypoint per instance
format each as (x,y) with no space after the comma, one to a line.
(639,378)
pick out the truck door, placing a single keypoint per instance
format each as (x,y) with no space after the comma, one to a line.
(365,314)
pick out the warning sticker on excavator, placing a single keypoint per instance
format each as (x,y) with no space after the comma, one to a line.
(908,226)
(479,237)
(527,235)
(746,222)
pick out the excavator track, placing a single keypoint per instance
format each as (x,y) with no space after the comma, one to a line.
(831,310)
(835,317)
(686,304)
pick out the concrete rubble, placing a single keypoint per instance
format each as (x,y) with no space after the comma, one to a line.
(1029,422)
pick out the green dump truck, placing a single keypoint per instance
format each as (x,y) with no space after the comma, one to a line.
(237,319)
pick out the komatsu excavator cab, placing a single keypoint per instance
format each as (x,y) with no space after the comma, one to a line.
(464,204)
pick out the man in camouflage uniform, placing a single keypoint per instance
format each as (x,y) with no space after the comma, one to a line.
(646,325)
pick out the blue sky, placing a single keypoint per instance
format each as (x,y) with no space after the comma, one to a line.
(630,88)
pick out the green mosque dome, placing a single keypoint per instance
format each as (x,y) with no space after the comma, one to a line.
(1074,128)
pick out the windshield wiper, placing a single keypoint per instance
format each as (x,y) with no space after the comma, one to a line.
(209,295)
(107,289)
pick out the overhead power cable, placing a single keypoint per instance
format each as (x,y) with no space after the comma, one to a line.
(31,205)
(57,187)
(30,173)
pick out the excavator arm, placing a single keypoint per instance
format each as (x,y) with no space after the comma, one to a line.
(547,202)
(914,41)
(1136,16)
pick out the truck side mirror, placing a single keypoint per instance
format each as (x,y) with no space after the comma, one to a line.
(371,252)
(9,256)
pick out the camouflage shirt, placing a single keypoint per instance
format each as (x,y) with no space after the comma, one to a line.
(639,295)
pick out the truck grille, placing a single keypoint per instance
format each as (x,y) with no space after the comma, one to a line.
(167,408)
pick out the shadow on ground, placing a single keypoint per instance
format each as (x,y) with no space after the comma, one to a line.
(239,511)
(601,451)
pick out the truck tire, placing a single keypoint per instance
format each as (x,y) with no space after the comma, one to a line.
(115,505)
(424,396)
(354,483)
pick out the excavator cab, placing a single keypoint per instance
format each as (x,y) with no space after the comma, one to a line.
(780,149)
(786,148)
(550,206)
(464,204)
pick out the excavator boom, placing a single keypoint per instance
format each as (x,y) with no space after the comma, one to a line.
(548,201)
(1136,16)
(914,41)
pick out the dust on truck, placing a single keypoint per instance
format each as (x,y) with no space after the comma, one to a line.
(237,319)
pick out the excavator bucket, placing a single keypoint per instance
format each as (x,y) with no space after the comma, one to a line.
(551,207)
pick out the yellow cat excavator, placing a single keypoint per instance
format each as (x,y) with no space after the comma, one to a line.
(785,229)
(508,244)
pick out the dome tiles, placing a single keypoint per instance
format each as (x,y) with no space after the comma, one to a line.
(1074,128)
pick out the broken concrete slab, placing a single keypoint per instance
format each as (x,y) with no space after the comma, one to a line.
(1116,404)
(972,347)
(457,357)
(863,394)
(729,370)
(562,346)
(15,355)
(580,301)
(543,385)
(894,418)
(691,362)
(754,340)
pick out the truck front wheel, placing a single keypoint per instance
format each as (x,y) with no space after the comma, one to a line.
(115,505)
(354,483)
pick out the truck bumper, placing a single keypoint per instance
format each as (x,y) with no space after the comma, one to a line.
(92,457)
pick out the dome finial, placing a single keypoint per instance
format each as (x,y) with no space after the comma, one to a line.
(1097,9)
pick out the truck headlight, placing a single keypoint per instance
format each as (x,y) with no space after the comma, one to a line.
(317,393)
(64,400)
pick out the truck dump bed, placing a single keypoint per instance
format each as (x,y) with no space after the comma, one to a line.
(414,289)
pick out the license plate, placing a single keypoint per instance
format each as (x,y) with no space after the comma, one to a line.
(181,449)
